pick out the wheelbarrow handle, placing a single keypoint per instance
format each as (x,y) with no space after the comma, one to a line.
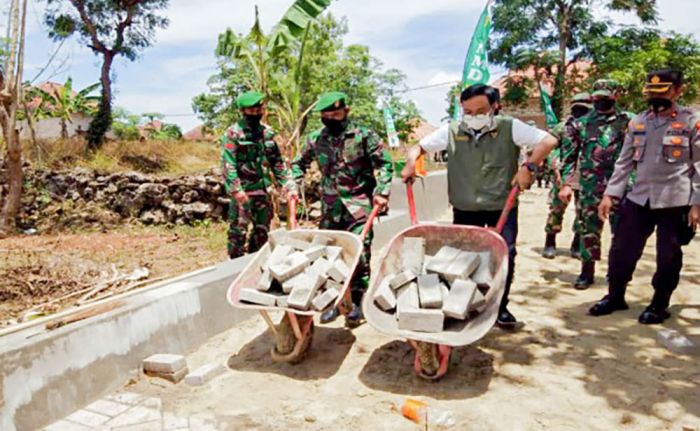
(510,203)
(411,204)
(370,221)
(293,200)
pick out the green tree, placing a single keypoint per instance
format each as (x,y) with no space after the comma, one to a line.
(126,125)
(628,55)
(63,103)
(551,35)
(110,28)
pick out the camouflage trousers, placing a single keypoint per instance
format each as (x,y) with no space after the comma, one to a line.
(557,209)
(249,224)
(592,226)
(360,278)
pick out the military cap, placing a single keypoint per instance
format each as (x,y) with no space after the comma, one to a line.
(605,88)
(331,101)
(660,81)
(249,99)
(583,99)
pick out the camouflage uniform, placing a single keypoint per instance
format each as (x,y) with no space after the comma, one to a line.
(596,145)
(557,207)
(248,156)
(348,163)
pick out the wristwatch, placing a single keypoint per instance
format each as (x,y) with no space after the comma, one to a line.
(532,167)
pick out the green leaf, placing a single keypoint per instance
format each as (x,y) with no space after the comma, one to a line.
(294,22)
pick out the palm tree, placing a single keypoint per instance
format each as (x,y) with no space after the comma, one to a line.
(63,103)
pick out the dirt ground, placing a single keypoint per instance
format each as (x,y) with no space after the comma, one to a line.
(563,370)
(38,269)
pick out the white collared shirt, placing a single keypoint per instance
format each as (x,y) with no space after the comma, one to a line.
(524,136)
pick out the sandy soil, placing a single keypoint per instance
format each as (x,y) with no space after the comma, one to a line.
(563,370)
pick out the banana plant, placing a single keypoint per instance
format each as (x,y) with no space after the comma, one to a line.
(62,103)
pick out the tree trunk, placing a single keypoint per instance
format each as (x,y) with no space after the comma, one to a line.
(99,126)
(11,94)
(560,80)
(64,129)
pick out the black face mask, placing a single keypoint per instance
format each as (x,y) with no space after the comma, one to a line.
(579,111)
(659,104)
(253,120)
(604,105)
(336,127)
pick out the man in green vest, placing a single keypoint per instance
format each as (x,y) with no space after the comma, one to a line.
(482,167)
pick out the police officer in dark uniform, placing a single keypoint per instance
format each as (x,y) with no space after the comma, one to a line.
(663,147)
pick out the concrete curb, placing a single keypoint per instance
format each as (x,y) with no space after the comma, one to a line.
(46,375)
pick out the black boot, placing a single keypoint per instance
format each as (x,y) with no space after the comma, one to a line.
(330,315)
(355,317)
(550,246)
(575,247)
(587,277)
(506,320)
(608,305)
(657,311)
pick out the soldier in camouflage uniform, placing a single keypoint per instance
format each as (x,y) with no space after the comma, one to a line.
(596,145)
(249,153)
(580,106)
(348,156)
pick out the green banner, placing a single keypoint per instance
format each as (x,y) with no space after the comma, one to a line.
(391,133)
(476,65)
(550,116)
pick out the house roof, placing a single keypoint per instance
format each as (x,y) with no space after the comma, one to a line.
(198,134)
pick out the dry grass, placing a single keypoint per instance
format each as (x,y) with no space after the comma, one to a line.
(151,156)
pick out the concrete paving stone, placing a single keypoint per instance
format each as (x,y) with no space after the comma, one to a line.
(204,374)
(294,264)
(88,418)
(402,279)
(172,422)
(315,252)
(257,297)
(143,426)
(64,425)
(482,275)
(459,299)
(385,296)
(203,424)
(676,342)
(333,253)
(322,301)
(320,266)
(129,398)
(288,285)
(413,254)
(107,407)
(282,301)
(420,320)
(135,416)
(407,299)
(430,291)
(462,266)
(304,291)
(478,302)
(164,363)
(296,243)
(175,377)
(442,260)
(339,271)
(265,281)
(153,403)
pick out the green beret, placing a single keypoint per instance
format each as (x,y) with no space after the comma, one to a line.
(606,84)
(249,99)
(602,93)
(581,98)
(331,101)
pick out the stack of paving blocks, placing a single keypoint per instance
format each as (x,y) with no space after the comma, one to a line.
(300,275)
(166,366)
(427,290)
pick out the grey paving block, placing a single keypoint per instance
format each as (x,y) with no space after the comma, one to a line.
(421,320)
(385,296)
(429,291)
(165,362)
(256,297)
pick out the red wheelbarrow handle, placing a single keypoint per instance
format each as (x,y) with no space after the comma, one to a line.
(510,203)
(370,221)
(411,204)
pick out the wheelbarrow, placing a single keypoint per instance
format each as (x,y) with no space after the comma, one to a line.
(433,350)
(294,334)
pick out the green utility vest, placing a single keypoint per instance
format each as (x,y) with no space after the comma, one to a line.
(480,171)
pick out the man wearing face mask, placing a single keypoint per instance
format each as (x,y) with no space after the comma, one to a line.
(483,164)
(663,147)
(580,106)
(596,143)
(248,152)
(348,156)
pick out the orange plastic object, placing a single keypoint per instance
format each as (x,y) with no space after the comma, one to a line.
(420,167)
(414,410)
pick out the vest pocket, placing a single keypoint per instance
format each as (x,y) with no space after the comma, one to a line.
(639,145)
(676,149)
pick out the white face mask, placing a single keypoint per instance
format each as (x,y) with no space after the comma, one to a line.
(478,122)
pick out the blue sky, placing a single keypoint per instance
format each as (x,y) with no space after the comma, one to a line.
(426,39)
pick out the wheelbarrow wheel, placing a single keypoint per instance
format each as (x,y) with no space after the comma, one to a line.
(289,349)
(431,360)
